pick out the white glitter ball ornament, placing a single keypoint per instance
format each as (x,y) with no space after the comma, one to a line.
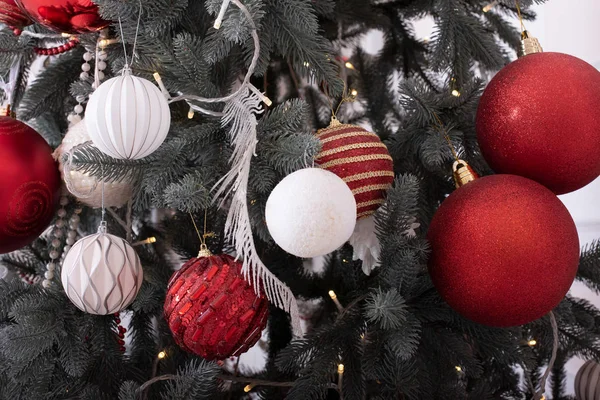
(102,274)
(128,117)
(311,212)
(84,187)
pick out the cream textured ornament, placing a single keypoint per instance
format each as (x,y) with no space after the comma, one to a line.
(102,274)
(311,212)
(587,381)
(84,187)
(128,117)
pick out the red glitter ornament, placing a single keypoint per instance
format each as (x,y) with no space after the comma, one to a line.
(212,311)
(12,16)
(30,184)
(68,16)
(361,160)
(540,118)
(505,250)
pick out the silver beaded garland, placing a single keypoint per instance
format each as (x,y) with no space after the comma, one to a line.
(59,246)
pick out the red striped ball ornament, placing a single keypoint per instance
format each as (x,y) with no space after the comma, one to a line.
(211,310)
(361,160)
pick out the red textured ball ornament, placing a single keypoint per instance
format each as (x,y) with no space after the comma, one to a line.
(540,118)
(29,182)
(68,16)
(505,250)
(12,16)
(212,311)
(361,160)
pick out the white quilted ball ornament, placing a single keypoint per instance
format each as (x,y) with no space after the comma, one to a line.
(102,274)
(84,187)
(587,381)
(311,212)
(128,117)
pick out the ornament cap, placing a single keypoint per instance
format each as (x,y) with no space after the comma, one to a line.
(204,251)
(102,227)
(463,173)
(529,45)
(334,122)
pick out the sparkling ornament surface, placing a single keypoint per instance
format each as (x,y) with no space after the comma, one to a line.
(540,118)
(361,160)
(212,311)
(84,187)
(311,212)
(505,250)
(30,185)
(68,16)
(102,274)
(12,15)
(127,117)
(587,381)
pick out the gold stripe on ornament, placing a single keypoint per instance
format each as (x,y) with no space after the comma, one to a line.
(370,188)
(350,160)
(339,127)
(368,175)
(348,135)
(365,214)
(353,146)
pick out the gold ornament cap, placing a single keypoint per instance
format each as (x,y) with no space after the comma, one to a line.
(463,173)
(529,45)
(204,251)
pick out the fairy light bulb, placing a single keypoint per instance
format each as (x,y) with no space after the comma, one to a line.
(354,92)
(458,368)
(247,388)
(332,295)
(532,342)
(162,355)
(349,65)
(455,93)
(340,368)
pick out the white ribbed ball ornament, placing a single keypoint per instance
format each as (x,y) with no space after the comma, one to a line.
(128,117)
(311,212)
(102,273)
(587,381)
(84,187)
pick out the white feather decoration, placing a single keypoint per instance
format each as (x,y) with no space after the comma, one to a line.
(240,114)
(365,244)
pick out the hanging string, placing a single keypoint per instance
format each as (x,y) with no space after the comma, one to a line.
(102,185)
(137,28)
(520,16)
(440,128)
(203,247)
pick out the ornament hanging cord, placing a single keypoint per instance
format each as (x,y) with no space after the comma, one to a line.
(520,17)
(137,29)
(440,128)
(203,248)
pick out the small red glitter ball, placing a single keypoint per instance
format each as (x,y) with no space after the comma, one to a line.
(212,311)
(30,183)
(361,160)
(505,250)
(540,118)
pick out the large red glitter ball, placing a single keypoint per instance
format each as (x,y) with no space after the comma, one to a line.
(504,250)
(361,160)
(69,16)
(12,15)
(540,118)
(212,311)
(29,182)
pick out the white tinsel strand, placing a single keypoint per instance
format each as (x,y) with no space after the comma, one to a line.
(240,115)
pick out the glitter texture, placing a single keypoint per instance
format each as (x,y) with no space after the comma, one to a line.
(212,311)
(505,250)
(540,118)
(30,185)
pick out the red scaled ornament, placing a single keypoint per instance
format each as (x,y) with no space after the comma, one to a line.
(540,118)
(505,250)
(211,310)
(29,182)
(68,16)
(361,160)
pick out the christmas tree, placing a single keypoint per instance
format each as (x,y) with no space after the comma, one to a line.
(200,133)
